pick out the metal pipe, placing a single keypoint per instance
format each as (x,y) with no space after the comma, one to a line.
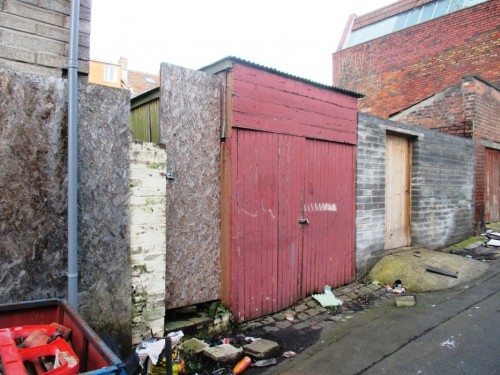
(73,155)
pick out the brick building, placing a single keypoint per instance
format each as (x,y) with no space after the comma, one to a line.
(405,52)
(433,63)
(470,109)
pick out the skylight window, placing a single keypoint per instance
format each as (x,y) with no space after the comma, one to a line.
(407,19)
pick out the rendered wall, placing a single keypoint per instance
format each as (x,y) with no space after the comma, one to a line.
(34,36)
(33,173)
(469,109)
(403,68)
(147,238)
(190,107)
(442,185)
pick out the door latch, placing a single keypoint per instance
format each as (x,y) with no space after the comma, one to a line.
(303,221)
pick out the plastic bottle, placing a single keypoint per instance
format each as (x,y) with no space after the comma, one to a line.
(242,365)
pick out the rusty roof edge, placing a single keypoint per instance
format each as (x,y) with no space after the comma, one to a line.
(228,62)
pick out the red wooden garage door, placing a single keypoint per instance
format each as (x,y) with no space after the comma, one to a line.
(293,220)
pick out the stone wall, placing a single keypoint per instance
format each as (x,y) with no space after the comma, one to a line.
(33,203)
(148,238)
(34,36)
(442,185)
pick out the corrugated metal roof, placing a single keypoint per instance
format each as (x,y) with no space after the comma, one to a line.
(227,62)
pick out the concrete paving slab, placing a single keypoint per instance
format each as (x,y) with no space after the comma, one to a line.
(262,349)
(193,345)
(223,353)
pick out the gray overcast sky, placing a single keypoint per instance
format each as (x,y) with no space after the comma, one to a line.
(295,36)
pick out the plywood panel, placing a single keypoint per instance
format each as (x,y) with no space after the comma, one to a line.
(190,128)
(492,186)
(397,190)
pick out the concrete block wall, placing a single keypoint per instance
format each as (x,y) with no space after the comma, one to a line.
(34,36)
(442,185)
(148,238)
(370,194)
(403,68)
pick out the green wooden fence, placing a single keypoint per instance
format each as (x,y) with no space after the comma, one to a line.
(145,116)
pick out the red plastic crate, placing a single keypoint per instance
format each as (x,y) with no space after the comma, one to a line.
(13,357)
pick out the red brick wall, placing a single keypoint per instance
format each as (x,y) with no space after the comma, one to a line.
(482,107)
(403,68)
(470,109)
(443,112)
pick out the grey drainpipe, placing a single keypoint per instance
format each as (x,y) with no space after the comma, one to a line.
(73,155)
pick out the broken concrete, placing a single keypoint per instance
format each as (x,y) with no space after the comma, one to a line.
(193,345)
(262,349)
(223,353)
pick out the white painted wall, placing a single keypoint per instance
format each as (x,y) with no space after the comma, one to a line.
(147,238)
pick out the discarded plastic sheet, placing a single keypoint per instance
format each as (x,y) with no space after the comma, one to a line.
(491,235)
(151,349)
(493,243)
(265,362)
(175,337)
(327,300)
(289,354)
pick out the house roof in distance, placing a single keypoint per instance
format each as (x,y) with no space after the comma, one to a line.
(139,82)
